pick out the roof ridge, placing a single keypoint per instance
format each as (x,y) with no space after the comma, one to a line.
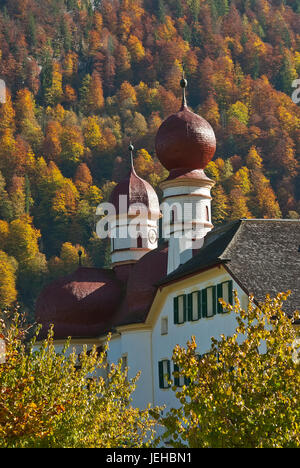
(270,219)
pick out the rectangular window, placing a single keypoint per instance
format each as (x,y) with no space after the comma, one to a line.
(194,306)
(211,301)
(179,380)
(164,326)
(124,362)
(180,309)
(164,373)
(224,291)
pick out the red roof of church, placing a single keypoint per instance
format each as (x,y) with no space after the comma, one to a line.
(82,304)
(141,286)
(90,301)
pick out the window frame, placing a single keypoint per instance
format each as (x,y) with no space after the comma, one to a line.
(205,301)
(190,306)
(176,309)
(220,294)
(166,320)
(162,379)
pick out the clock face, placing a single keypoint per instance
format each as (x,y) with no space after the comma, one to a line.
(152,236)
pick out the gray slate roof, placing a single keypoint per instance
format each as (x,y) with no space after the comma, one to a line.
(262,255)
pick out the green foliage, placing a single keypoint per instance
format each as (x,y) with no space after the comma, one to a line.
(245,391)
(66,400)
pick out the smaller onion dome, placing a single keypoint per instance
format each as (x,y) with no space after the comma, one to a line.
(137,191)
(81,304)
(185,140)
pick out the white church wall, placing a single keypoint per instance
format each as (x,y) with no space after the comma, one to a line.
(135,346)
(203,329)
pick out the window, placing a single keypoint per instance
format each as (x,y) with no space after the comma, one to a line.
(124,362)
(180,309)
(139,242)
(224,291)
(172,216)
(164,326)
(207,213)
(164,373)
(179,380)
(194,306)
(209,303)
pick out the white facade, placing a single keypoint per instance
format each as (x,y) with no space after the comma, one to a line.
(132,237)
(148,344)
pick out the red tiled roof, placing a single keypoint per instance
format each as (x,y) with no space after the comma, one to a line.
(141,286)
(82,304)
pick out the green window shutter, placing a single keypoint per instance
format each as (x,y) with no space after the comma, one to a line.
(169,371)
(176,379)
(176,318)
(214,300)
(161,374)
(204,302)
(219,296)
(190,306)
(187,381)
(230,292)
(199,304)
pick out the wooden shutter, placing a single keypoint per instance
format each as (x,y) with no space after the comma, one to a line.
(169,372)
(219,296)
(230,292)
(176,379)
(187,381)
(204,302)
(161,374)
(190,306)
(176,318)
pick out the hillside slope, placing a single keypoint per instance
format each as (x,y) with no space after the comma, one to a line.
(84,77)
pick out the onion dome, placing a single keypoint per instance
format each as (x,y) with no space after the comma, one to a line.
(185,140)
(137,191)
(81,304)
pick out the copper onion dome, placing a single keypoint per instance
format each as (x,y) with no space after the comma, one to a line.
(137,191)
(185,140)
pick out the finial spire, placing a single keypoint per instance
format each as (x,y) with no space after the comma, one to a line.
(80,258)
(131,149)
(183,84)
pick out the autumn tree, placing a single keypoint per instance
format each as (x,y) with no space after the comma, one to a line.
(8,291)
(66,400)
(244,391)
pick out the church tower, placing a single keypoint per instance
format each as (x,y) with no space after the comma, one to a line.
(185,144)
(134,231)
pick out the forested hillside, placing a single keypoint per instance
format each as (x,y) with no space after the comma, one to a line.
(84,77)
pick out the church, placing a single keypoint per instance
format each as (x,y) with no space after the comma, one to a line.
(164,287)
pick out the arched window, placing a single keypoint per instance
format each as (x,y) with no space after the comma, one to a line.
(172,216)
(139,242)
(207,213)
